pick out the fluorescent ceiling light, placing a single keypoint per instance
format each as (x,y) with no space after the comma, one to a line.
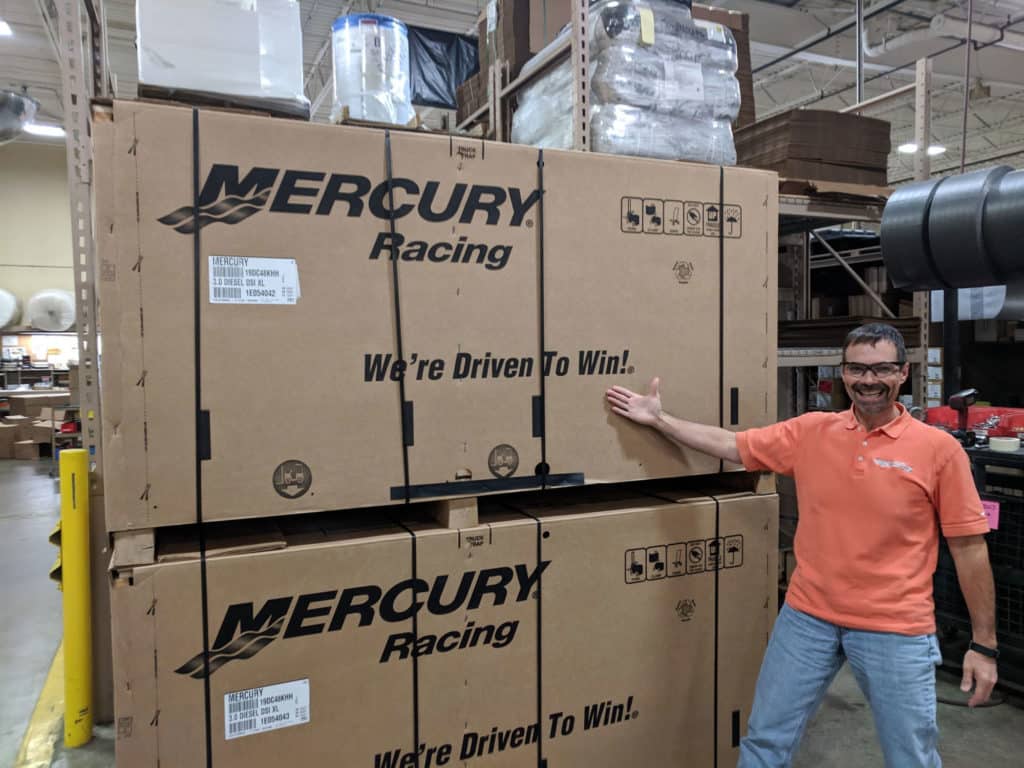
(911,148)
(49,131)
(5,29)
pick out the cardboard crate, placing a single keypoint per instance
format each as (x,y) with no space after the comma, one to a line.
(8,437)
(627,294)
(30,404)
(27,449)
(613,625)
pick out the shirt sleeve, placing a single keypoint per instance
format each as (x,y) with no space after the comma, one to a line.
(956,497)
(773,448)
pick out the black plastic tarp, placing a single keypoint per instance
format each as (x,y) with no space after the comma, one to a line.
(439,62)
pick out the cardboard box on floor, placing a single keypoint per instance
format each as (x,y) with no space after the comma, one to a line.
(26,449)
(30,404)
(8,437)
(596,620)
(302,391)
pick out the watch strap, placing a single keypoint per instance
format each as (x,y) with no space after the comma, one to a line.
(984,650)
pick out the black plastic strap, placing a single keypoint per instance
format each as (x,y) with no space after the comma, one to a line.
(541,760)
(399,352)
(717,570)
(540,409)
(408,435)
(735,728)
(734,406)
(721,315)
(491,485)
(203,448)
(202,426)
(538,416)
(415,658)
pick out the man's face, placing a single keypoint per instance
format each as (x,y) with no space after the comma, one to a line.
(873,391)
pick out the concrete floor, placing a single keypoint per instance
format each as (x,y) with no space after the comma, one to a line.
(840,736)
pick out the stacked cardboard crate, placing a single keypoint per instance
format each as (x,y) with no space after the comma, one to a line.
(465,306)
(27,433)
(586,633)
(819,145)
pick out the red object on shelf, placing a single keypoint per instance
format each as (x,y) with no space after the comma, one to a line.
(994,421)
(71,426)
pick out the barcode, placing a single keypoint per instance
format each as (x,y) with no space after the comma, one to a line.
(242,726)
(242,706)
(227,293)
(234,272)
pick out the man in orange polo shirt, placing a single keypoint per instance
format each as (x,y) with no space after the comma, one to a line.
(874,488)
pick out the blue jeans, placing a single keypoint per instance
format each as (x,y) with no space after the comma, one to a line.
(895,672)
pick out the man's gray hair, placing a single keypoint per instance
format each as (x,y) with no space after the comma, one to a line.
(872,333)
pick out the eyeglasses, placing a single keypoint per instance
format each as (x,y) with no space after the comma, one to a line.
(881,370)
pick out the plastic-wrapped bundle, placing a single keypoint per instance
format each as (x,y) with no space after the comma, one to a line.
(51,310)
(544,115)
(635,75)
(371,69)
(616,22)
(10,308)
(626,130)
(246,51)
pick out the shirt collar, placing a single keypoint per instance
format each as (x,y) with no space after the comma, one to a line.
(893,429)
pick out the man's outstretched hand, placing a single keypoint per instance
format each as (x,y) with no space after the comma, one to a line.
(643,409)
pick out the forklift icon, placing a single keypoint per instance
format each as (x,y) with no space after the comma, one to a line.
(632,210)
(636,567)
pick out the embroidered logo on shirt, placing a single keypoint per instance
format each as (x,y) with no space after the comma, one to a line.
(886,464)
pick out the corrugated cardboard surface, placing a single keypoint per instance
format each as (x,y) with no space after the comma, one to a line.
(623,302)
(739,24)
(616,669)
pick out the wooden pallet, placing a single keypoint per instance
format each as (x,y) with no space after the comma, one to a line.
(222,103)
(345,118)
(138,547)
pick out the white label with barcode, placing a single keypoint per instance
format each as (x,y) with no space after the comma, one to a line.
(249,280)
(258,710)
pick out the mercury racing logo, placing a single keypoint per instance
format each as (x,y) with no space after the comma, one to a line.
(244,631)
(228,197)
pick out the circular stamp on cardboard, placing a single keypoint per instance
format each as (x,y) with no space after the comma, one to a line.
(292,478)
(503,460)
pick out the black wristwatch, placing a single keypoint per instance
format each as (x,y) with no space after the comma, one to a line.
(984,650)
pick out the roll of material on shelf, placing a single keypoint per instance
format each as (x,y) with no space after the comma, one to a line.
(51,310)
(10,308)
(956,232)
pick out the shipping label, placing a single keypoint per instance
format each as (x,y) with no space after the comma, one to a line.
(267,708)
(249,280)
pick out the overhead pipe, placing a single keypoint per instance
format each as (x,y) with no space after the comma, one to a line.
(830,32)
(944,26)
(822,95)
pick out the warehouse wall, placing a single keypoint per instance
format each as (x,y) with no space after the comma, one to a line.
(35,219)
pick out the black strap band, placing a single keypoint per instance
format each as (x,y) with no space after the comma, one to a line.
(984,650)
(404,409)
(721,315)
(202,435)
(415,658)
(540,409)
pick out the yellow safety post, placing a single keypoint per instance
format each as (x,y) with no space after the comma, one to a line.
(75,583)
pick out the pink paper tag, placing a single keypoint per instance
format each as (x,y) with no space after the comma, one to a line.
(991,510)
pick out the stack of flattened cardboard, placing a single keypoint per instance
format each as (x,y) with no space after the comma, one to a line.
(580,632)
(819,145)
(296,237)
